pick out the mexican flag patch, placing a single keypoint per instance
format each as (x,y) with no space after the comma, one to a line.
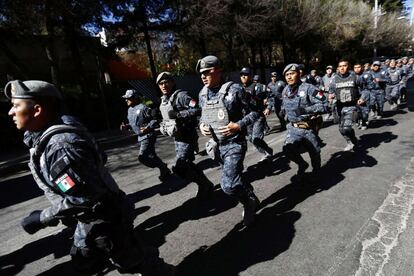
(320,95)
(65,183)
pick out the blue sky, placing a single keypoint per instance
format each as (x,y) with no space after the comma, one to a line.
(409,3)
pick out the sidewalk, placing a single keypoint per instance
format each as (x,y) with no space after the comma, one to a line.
(17,161)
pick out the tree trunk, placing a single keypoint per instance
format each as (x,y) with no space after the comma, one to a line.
(262,63)
(144,18)
(253,57)
(50,49)
(71,37)
(228,42)
(13,60)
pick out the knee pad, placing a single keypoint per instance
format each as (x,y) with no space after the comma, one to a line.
(346,130)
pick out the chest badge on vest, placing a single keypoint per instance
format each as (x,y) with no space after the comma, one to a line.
(302,93)
(221,114)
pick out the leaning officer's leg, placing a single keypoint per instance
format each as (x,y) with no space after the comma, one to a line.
(232,155)
(258,135)
(86,258)
(345,126)
(312,146)
(147,155)
(185,168)
(291,148)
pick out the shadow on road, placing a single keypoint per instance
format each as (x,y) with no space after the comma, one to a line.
(382,122)
(18,190)
(277,165)
(58,245)
(171,185)
(239,249)
(155,229)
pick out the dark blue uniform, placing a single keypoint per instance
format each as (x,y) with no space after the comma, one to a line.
(257,95)
(140,116)
(301,102)
(220,106)
(70,169)
(376,85)
(275,100)
(185,136)
(346,89)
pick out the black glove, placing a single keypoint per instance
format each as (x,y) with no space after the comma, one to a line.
(31,224)
(173,114)
(300,111)
(69,222)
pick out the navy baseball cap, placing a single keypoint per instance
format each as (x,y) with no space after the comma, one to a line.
(31,89)
(256,77)
(377,62)
(131,93)
(274,74)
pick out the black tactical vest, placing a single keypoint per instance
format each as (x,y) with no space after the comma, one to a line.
(346,89)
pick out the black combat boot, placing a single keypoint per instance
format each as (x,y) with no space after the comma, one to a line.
(250,204)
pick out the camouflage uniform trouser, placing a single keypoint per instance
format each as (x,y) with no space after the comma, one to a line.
(347,119)
(231,158)
(147,155)
(392,93)
(104,239)
(184,165)
(255,133)
(278,108)
(300,140)
(377,101)
(363,111)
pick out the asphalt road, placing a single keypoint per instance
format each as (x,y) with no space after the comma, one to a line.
(356,220)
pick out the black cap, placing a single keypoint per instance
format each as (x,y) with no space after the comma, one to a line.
(32,89)
(256,78)
(245,71)
(274,74)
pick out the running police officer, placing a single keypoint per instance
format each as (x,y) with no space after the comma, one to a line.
(326,81)
(142,121)
(392,89)
(345,88)
(376,86)
(302,102)
(68,166)
(363,107)
(257,95)
(179,120)
(274,102)
(225,116)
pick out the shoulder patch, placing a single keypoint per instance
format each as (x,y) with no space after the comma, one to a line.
(65,182)
(192,103)
(302,93)
(138,111)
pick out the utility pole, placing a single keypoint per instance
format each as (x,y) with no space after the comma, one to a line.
(375,27)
